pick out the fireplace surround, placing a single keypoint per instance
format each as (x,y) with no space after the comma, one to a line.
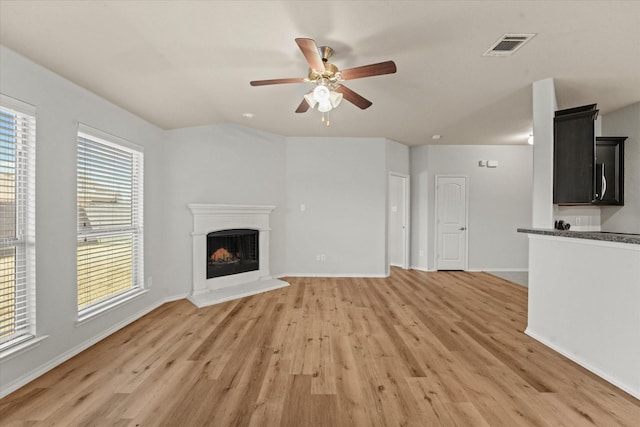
(225,220)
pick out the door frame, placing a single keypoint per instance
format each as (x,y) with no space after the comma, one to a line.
(437,227)
(406,179)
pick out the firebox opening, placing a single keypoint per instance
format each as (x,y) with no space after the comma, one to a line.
(232,252)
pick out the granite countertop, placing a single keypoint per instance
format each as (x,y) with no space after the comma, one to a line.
(590,235)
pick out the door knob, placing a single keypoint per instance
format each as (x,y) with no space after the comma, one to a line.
(462,228)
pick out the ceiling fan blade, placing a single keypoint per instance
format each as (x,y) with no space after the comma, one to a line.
(276,81)
(310,52)
(387,67)
(354,98)
(303,107)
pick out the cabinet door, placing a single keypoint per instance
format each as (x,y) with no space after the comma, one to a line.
(609,188)
(573,159)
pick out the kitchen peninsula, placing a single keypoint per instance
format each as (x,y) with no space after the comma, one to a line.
(584,300)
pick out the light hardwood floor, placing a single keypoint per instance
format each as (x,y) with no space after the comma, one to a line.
(416,349)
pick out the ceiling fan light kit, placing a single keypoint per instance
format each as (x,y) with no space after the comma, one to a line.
(328,78)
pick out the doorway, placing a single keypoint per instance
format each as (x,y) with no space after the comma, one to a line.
(451,222)
(398,221)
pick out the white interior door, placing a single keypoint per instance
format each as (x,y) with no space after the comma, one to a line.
(398,238)
(451,222)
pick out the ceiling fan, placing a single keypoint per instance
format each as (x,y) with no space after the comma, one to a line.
(328,79)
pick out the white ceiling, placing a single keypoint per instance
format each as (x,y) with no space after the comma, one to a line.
(189,63)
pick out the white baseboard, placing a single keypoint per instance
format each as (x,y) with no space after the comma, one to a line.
(414,267)
(364,276)
(174,298)
(586,365)
(6,389)
(476,270)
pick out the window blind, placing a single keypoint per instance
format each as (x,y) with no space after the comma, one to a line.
(110,212)
(17,226)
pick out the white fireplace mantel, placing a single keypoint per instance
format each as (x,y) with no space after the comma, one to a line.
(208,218)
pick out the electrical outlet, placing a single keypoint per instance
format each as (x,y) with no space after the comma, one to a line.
(317,257)
(323,257)
(149,281)
(421,253)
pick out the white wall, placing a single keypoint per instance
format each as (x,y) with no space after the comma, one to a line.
(341,181)
(397,157)
(342,184)
(222,164)
(420,207)
(499,202)
(581,218)
(60,105)
(625,122)
(544,107)
(585,305)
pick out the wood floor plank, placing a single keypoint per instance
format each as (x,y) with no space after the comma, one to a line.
(157,395)
(466,414)
(415,349)
(268,407)
(305,409)
(350,390)
(432,409)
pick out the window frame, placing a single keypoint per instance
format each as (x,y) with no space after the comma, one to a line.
(135,230)
(23,241)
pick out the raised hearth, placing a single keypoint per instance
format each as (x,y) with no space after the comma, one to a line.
(209,219)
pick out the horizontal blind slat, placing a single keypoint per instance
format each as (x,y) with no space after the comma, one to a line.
(109,251)
(17,140)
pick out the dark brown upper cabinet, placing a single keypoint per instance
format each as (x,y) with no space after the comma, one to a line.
(574,155)
(610,170)
(586,170)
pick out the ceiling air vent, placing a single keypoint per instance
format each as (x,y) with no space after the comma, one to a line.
(508,44)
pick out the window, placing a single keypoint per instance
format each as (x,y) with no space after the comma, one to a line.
(110,229)
(17,225)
